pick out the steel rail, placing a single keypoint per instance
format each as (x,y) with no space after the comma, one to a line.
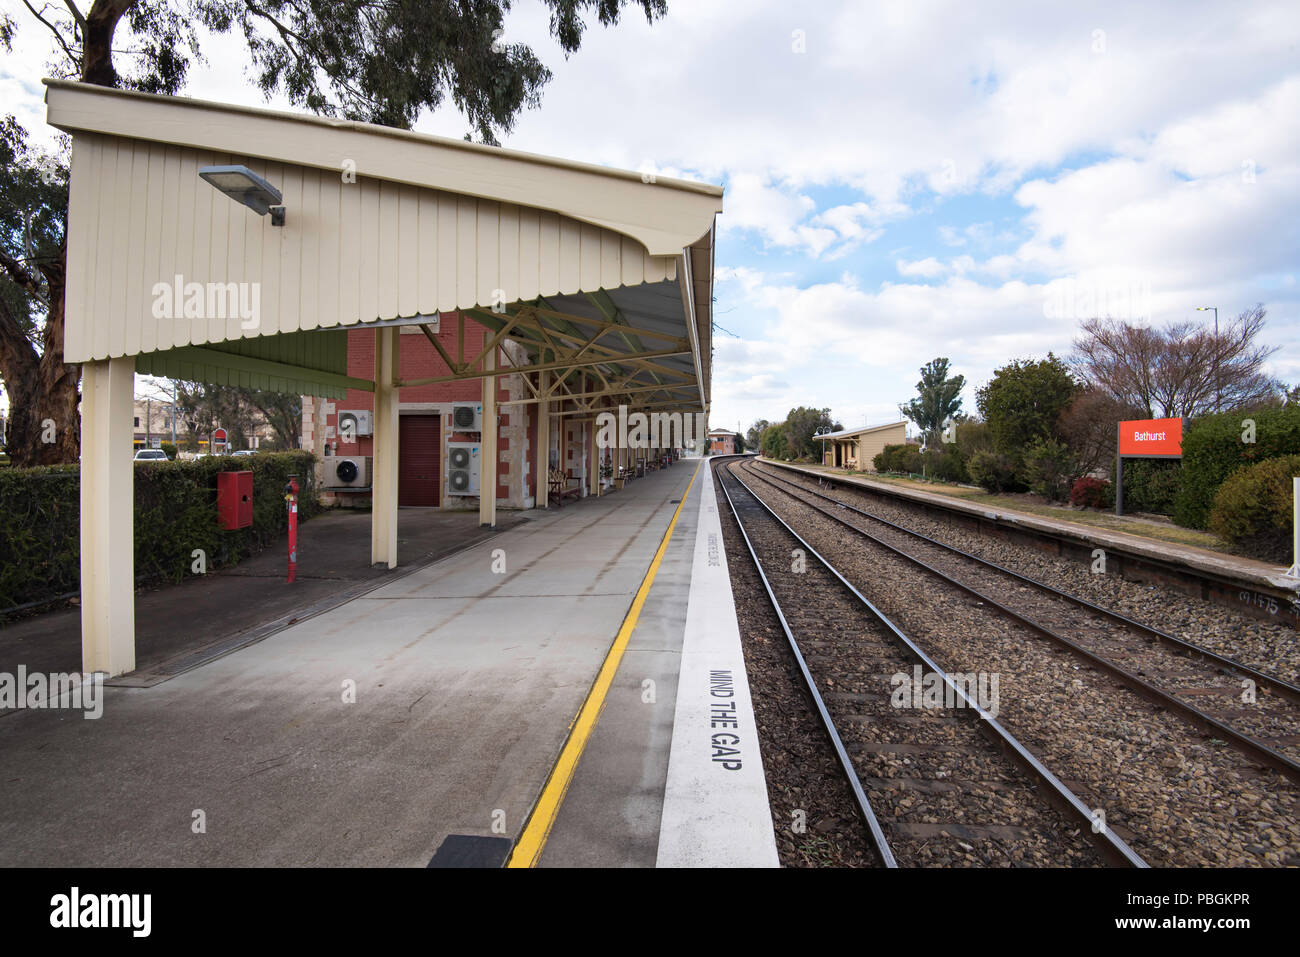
(846,763)
(1112,847)
(1261,679)
(1256,749)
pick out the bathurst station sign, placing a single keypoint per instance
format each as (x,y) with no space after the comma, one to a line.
(1151,438)
(1145,439)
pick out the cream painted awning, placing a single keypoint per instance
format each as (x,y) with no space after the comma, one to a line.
(382,224)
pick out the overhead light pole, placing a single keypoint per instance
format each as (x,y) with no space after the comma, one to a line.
(1218,385)
(820,435)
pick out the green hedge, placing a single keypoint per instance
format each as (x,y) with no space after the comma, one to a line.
(903,458)
(1049,469)
(994,472)
(1151,485)
(1213,449)
(1252,509)
(39,533)
(175,513)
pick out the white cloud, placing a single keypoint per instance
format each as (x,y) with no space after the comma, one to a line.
(922,267)
(892,97)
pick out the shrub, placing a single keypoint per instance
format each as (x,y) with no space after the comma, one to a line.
(773,442)
(973,436)
(908,459)
(946,463)
(1089,492)
(39,533)
(898,458)
(1049,469)
(992,471)
(1022,401)
(1151,485)
(1215,447)
(175,513)
(170,449)
(1252,511)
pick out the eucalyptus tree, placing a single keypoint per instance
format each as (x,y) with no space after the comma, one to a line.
(379,61)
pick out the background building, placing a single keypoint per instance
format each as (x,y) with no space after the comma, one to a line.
(722,442)
(855,448)
(428,432)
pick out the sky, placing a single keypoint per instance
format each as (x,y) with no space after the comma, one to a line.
(907,180)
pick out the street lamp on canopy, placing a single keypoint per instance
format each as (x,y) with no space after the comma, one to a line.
(244,186)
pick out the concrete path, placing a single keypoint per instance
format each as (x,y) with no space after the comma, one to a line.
(180,624)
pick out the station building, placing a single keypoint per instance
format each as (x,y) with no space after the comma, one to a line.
(722,442)
(342,430)
(855,448)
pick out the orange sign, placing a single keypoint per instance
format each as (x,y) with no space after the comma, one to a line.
(1162,437)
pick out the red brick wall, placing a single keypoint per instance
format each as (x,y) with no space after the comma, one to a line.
(417,359)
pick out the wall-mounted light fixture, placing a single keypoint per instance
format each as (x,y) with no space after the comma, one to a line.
(244,186)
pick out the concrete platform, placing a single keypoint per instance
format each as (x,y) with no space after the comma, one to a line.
(672,775)
(434,705)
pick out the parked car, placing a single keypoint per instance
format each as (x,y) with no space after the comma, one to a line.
(150,455)
(244,452)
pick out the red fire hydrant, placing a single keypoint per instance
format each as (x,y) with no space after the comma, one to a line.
(291,497)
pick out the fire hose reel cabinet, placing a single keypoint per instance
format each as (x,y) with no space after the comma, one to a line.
(235,499)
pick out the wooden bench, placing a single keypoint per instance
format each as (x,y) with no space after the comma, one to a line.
(561,489)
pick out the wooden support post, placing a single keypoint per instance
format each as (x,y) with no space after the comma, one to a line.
(487,481)
(597,457)
(384,461)
(107,516)
(589,458)
(543,441)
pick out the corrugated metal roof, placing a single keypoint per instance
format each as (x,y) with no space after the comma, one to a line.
(846,433)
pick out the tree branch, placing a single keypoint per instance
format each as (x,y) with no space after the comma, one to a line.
(76,14)
(53,29)
(20,275)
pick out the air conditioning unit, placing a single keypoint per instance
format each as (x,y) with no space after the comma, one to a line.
(462,468)
(467,416)
(354,422)
(346,471)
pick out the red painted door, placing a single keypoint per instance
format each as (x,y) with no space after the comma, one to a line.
(419,469)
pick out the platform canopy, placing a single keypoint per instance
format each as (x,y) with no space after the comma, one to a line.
(238,246)
(587,268)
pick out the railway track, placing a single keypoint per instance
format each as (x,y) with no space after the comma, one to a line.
(1161,667)
(934,785)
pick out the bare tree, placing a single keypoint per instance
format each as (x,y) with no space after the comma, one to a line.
(1184,369)
(1088,425)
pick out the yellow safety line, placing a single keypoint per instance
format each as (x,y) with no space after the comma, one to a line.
(528,849)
